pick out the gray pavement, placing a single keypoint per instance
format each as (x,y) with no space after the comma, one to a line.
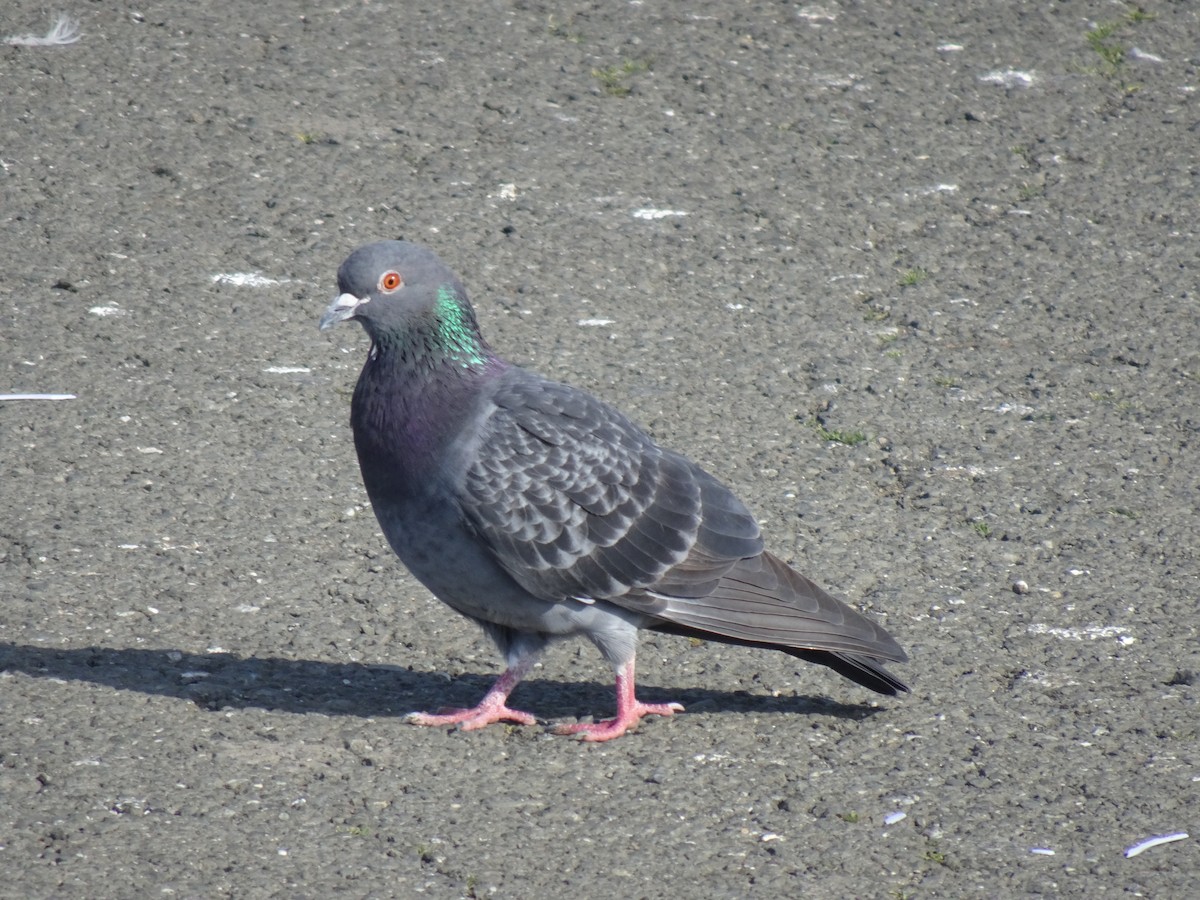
(964,233)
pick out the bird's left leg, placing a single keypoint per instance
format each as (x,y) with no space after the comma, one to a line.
(629,711)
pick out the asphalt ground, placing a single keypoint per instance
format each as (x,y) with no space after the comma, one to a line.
(919,281)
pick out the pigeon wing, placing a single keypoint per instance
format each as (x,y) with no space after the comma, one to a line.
(574,500)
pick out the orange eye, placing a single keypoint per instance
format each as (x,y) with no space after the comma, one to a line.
(390,281)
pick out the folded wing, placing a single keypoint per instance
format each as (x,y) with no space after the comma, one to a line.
(574,500)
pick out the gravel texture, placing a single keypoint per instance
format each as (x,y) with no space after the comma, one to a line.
(966,233)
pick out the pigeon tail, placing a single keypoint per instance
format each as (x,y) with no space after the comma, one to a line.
(763,602)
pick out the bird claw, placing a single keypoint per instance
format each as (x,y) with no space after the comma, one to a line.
(471,719)
(606,730)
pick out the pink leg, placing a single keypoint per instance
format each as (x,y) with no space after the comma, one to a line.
(629,711)
(492,708)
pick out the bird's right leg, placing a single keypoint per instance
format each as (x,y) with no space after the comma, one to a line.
(520,652)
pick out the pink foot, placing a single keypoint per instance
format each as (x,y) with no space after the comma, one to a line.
(614,728)
(475,717)
(629,711)
(492,708)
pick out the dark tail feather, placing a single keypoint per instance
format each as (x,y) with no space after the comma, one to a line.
(763,602)
(863,670)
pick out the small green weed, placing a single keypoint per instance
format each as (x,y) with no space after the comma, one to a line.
(1030,190)
(1111,52)
(1111,400)
(1105,42)
(564,30)
(837,435)
(614,80)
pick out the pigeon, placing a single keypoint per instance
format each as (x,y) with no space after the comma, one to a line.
(543,513)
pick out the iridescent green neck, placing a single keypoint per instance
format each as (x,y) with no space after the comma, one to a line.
(457,332)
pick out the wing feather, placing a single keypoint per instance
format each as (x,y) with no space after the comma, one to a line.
(573,499)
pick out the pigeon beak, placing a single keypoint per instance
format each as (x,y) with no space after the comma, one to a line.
(343,307)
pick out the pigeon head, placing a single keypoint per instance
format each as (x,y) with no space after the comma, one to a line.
(408,301)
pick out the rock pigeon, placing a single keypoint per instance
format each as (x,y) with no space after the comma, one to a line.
(541,512)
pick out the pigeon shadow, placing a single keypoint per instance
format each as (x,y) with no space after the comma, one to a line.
(225,680)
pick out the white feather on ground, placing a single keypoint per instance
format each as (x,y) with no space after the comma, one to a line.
(64,31)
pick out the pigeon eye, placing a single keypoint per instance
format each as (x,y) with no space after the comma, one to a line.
(390,281)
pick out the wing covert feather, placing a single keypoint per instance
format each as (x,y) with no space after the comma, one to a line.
(575,500)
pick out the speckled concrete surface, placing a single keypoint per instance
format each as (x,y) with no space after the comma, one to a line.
(967,232)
